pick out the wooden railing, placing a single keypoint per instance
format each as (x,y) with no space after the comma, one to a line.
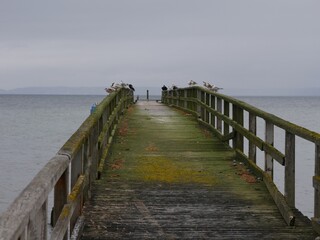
(69,175)
(225,117)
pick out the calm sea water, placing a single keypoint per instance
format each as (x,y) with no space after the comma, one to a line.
(34,127)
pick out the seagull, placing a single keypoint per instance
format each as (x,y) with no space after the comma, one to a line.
(117,86)
(216,89)
(211,87)
(112,88)
(164,88)
(207,85)
(122,84)
(174,87)
(131,87)
(109,90)
(192,83)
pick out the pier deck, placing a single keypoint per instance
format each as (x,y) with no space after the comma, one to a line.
(168,178)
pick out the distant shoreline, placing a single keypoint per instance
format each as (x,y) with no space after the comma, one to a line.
(156,91)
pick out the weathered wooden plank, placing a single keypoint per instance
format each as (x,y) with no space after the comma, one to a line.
(269,138)
(60,195)
(219,110)
(280,201)
(212,106)
(169,179)
(62,224)
(316,188)
(253,129)
(289,186)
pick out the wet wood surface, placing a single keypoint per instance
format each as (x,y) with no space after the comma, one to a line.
(167,178)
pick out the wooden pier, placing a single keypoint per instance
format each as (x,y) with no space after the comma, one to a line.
(168,178)
(182,168)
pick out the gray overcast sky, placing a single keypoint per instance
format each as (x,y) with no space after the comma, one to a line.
(231,43)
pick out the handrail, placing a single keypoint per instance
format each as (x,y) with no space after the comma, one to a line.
(224,115)
(69,174)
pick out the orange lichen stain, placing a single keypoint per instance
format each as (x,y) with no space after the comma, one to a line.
(245,175)
(117,164)
(151,148)
(248,178)
(161,169)
(123,130)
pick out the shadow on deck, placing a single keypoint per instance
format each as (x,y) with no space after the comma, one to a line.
(168,178)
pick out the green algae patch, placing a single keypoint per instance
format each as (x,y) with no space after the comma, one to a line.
(162,169)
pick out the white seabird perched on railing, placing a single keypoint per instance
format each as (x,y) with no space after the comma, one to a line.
(192,83)
(115,86)
(212,87)
(111,88)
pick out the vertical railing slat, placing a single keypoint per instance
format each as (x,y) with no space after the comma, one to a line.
(207,112)
(269,138)
(198,107)
(37,227)
(237,113)
(219,109)
(61,192)
(317,174)
(213,106)
(253,129)
(289,183)
(185,101)
(226,112)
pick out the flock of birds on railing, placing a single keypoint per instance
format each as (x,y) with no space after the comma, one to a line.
(115,86)
(191,83)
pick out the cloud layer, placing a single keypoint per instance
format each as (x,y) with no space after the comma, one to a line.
(235,44)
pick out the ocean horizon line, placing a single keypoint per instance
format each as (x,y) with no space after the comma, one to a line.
(259,92)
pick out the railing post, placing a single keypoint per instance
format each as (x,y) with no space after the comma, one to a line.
(37,228)
(269,138)
(185,100)
(253,129)
(198,106)
(86,165)
(317,174)
(207,112)
(213,106)
(289,181)
(203,110)
(61,191)
(226,112)
(237,113)
(219,109)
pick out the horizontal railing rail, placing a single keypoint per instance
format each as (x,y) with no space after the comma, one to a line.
(69,175)
(224,115)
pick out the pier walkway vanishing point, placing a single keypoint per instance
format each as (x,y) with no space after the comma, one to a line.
(168,178)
